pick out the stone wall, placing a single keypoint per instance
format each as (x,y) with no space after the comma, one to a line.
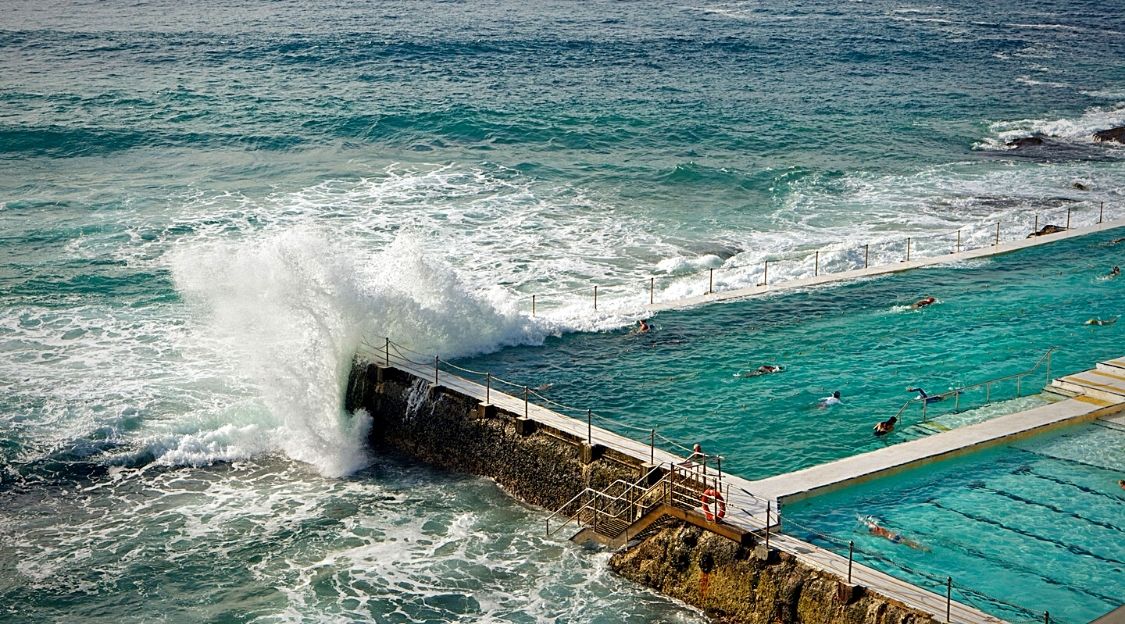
(546,467)
(736,584)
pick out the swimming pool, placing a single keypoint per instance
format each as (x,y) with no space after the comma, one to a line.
(993,317)
(1038,525)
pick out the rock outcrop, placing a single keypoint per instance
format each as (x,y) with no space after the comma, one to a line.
(1030,141)
(731,584)
(1112,134)
(1047,229)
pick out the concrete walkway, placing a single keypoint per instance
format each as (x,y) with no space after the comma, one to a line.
(828,278)
(1096,392)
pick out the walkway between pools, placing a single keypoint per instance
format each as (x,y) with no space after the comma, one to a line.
(1099,392)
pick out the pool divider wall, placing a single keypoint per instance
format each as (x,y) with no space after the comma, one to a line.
(543,466)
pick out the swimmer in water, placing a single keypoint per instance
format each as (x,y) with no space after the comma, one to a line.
(886,426)
(643,327)
(873,528)
(829,401)
(923,302)
(764,369)
(1100,321)
(922,396)
(1114,272)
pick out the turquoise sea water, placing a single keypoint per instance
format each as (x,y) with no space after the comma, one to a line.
(1035,526)
(205,206)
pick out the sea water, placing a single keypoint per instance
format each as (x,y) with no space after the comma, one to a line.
(205,207)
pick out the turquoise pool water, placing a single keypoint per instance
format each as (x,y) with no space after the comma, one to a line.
(1032,527)
(994,317)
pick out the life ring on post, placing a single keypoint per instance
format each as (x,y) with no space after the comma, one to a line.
(713,497)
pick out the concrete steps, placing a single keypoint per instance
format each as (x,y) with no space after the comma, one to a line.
(1106,384)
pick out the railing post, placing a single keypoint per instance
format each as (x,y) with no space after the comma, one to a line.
(956,400)
(719,465)
(533,305)
(525,401)
(851,552)
(590,427)
(1036,228)
(987,392)
(923,410)
(387,351)
(866,254)
(651,289)
(652,446)
(595,296)
(1046,617)
(436,361)
(816,264)
(1048,366)
(1018,393)
(1068,217)
(948,598)
(1101,212)
(768,525)
(997,241)
(766,274)
(488,387)
(958,249)
(908,249)
(711,282)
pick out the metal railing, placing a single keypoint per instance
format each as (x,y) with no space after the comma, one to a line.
(986,385)
(827,259)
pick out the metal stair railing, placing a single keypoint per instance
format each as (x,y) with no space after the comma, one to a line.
(987,385)
(605,506)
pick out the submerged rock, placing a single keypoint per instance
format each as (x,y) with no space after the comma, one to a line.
(1047,229)
(1112,134)
(1030,141)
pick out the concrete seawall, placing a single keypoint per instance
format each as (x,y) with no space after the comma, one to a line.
(547,467)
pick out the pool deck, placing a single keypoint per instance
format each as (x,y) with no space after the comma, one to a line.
(828,278)
(1098,392)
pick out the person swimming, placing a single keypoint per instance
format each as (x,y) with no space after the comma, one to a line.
(764,369)
(886,426)
(1100,321)
(643,327)
(829,401)
(1114,272)
(922,396)
(874,528)
(923,302)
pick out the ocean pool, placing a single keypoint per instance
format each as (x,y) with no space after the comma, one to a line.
(994,317)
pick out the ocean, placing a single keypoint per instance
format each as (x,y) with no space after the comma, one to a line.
(205,207)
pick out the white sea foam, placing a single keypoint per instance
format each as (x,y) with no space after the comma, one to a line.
(1079,129)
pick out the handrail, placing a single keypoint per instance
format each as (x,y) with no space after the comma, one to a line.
(957,392)
(983,234)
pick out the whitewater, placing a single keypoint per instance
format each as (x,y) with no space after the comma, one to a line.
(206,208)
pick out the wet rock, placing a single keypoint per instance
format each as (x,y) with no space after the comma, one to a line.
(1112,134)
(1047,229)
(1078,186)
(1030,141)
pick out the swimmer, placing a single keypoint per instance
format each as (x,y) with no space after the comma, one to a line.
(922,396)
(1100,321)
(923,302)
(1114,272)
(764,369)
(886,426)
(643,327)
(873,528)
(1121,482)
(829,401)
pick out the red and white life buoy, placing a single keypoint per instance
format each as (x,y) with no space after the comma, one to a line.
(713,497)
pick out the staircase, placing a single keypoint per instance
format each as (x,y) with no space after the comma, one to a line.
(1104,384)
(624,510)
